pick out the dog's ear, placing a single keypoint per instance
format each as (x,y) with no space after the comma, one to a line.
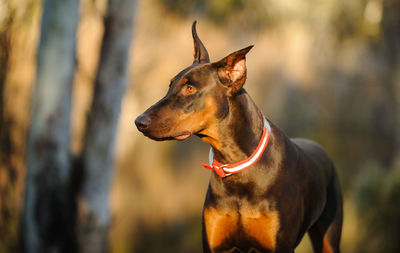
(200,51)
(232,69)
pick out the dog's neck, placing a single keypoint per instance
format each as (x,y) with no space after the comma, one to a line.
(240,130)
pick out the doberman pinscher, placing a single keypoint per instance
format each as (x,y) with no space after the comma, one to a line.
(267,190)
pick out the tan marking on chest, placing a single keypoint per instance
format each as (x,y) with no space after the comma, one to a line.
(219,225)
(262,227)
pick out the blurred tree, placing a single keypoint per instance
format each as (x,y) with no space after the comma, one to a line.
(54,179)
(49,210)
(99,142)
(8,212)
(379,188)
(389,51)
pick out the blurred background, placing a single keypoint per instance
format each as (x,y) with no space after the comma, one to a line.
(325,70)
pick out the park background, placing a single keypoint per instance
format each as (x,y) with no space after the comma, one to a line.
(325,70)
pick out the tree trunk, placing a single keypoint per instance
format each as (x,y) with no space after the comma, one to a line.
(8,172)
(99,143)
(48,217)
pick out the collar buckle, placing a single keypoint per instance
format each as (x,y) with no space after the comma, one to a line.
(220,170)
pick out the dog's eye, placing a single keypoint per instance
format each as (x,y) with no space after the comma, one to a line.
(189,89)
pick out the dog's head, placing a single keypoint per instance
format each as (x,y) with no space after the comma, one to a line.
(197,98)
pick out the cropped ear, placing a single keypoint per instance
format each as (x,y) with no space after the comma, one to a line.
(232,69)
(200,51)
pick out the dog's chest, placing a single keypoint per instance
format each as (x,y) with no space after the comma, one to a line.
(244,229)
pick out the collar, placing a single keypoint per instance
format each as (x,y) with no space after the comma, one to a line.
(224,170)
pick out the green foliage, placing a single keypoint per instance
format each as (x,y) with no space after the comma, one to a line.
(347,18)
(224,9)
(251,13)
(379,207)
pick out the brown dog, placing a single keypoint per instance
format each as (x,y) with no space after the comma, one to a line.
(267,190)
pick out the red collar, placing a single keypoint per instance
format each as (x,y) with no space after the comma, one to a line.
(224,170)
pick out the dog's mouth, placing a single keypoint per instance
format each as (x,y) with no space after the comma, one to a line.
(182,136)
(179,137)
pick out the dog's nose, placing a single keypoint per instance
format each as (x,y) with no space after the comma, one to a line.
(142,122)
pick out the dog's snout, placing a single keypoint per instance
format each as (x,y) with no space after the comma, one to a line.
(142,122)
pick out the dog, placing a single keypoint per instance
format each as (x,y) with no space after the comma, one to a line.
(266,190)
